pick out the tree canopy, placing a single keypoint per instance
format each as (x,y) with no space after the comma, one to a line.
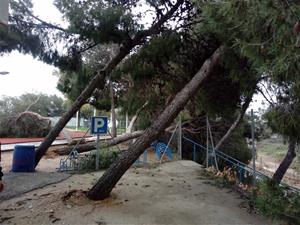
(45,105)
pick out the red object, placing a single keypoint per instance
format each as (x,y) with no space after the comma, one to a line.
(5,141)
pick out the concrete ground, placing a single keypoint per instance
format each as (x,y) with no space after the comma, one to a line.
(17,184)
(172,193)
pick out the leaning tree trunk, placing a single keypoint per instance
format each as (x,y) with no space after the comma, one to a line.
(106,183)
(98,81)
(113,111)
(286,162)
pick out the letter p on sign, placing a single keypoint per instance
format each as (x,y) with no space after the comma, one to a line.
(99,125)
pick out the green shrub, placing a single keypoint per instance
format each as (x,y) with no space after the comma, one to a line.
(278,202)
(106,158)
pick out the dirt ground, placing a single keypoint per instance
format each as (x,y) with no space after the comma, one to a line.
(268,165)
(172,193)
(48,163)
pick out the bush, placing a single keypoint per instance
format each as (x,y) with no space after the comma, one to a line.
(278,202)
(106,158)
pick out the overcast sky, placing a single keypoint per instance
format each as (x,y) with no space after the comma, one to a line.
(25,73)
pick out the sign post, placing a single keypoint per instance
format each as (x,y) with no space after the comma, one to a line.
(98,126)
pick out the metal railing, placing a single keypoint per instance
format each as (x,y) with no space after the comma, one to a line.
(240,166)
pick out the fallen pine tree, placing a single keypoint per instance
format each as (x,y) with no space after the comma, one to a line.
(113,174)
(65,150)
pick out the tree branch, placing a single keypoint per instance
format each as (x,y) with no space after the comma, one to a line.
(265,97)
(48,25)
(237,121)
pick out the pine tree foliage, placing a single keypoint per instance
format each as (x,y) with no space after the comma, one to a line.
(267,34)
(262,31)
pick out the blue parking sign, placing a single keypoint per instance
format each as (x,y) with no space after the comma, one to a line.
(99,125)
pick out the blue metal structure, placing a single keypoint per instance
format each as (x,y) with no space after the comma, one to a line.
(160,148)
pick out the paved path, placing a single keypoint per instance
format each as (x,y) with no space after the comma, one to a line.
(20,183)
(173,193)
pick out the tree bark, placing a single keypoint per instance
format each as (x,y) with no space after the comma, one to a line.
(98,81)
(129,129)
(113,111)
(106,183)
(286,162)
(103,144)
(78,120)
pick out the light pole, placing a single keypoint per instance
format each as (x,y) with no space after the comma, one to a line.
(1,173)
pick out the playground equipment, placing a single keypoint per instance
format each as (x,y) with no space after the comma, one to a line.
(162,149)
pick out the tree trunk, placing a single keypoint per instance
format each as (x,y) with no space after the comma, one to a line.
(33,103)
(106,183)
(237,121)
(103,144)
(98,81)
(113,111)
(129,129)
(77,120)
(286,162)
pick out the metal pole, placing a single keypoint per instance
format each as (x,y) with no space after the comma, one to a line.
(126,122)
(253,147)
(207,142)
(194,153)
(213,146)
(164,152)
(97,152)
(77,120)
(145,157)
(180,138)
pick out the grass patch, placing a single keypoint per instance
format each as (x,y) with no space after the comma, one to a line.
(278,202)
(276,150)
(83,129)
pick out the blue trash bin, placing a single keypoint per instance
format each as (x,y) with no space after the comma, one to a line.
(23,158)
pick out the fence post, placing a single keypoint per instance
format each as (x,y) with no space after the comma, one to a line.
(207,142)
(97,152)
(253,147)
(179,138)
(194,153)
(126,122)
